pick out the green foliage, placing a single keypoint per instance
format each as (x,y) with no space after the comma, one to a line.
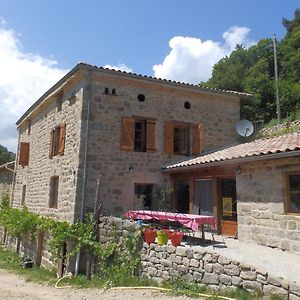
(252,70)
(162,197)
(11,261)
(5,155)
(119,254)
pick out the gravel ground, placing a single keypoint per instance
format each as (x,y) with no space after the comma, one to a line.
(15,287)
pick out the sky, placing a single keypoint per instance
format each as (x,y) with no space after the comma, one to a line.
(40,41)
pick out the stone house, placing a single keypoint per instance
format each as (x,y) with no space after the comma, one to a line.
(120,128)
(6,178)
(252,188)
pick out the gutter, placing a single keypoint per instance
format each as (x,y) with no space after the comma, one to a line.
(231,161)
(86,143)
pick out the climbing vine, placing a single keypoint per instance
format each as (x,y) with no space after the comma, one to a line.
(80,235)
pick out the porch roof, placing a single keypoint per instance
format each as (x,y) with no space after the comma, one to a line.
(265,148)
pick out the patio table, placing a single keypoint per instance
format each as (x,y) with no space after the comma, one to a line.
(188,220)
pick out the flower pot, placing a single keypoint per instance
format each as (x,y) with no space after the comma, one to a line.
(176,238)
(162,237)
(149,235)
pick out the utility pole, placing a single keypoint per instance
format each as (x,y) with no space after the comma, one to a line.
(276,81)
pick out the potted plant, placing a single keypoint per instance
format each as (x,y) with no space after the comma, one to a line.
(162,237)
(149,235)
(176,237)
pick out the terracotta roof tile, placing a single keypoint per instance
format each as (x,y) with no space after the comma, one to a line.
(266,146)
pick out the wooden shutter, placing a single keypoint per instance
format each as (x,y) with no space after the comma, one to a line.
(197,139)
(24,154)
(150,136)
(62,138)
(127,135)
(169,138)
(51,143)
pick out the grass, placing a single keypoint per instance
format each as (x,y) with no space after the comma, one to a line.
(11,262)
(114,276)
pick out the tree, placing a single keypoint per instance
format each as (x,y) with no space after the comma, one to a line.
(252,71)
(5,155)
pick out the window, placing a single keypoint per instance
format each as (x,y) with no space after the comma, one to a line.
(293,191)
(183,139)
(24,154)
(54,183)
(143,196)
(138,135)
(57,140)
(181,144)
(23,196)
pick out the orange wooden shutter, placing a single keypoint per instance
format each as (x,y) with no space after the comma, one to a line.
(150,135)
(51,143)
(169,138)
(62,138)
(127,135)
(197,139)
(24,154)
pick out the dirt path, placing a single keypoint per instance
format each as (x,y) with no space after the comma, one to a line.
(15,287)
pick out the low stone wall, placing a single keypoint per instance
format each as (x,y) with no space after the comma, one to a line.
(198,265)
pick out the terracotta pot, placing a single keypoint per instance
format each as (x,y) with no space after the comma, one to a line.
(176,238)
(162,237)
(149,235)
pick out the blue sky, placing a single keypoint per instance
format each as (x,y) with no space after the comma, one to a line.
(181,40)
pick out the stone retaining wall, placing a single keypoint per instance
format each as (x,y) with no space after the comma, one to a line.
(204,267)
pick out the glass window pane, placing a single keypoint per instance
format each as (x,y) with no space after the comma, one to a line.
(294,182)
(295,202)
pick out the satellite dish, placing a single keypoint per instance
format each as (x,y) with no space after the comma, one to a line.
(244,128)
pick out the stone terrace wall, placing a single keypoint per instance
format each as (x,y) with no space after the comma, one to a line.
(199,265)
(204,267)
(261,193)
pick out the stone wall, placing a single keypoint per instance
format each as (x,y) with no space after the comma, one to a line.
(164,102)
(261,198)
(36,176)
(196,264)
(217,272)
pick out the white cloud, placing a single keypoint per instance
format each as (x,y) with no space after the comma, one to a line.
(119,67)
(191,59)
(24,77)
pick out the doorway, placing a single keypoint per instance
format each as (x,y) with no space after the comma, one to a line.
(183,196)
(228,206)
(203,197)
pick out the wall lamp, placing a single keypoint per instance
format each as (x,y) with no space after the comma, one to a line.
(130,168)
(238,170)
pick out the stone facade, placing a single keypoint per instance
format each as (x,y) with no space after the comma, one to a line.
(163,103)
(35,178)
(262,197)
(92,103)
(6,178)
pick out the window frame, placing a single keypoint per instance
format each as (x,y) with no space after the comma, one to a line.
(128,134)
(187,144)
(288,193)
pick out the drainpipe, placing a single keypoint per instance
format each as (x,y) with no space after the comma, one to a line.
(89,88)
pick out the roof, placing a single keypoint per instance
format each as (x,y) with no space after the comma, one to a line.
(262,148)
(85,66)
(8,166)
